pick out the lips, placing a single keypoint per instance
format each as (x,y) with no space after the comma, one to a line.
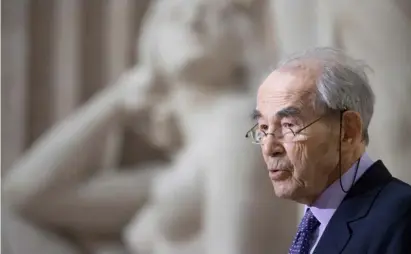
(278,174)
(274,170)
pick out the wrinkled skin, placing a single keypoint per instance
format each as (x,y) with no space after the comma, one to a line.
(307,164)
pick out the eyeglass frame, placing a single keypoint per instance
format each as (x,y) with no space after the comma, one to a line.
(247,135)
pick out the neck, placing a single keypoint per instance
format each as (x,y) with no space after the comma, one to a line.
(347,161)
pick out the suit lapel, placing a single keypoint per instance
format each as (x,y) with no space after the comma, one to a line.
(354,207)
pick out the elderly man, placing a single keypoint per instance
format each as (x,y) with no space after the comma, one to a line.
(312,117)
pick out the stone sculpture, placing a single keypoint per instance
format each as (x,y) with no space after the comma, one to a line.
(210,201)
(198,60)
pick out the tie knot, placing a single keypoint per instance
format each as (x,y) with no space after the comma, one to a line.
(309,223)
(302,241)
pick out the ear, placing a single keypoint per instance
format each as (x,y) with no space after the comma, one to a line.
(352,128)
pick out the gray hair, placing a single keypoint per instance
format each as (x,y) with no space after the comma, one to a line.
(342,84)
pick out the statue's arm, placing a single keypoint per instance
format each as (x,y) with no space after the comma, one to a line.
(67,154)
(104,204)
(63,154)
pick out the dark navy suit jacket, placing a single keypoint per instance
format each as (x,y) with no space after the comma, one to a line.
(374,217)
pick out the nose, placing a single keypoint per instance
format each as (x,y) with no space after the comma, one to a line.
(272,147)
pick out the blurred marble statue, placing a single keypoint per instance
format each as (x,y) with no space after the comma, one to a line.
(384,43)
(210,201)
(189,95)
(58,185)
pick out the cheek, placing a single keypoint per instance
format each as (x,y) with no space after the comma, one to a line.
(329,152)
(321,154)
(263,153)
(297,154)
(305,155)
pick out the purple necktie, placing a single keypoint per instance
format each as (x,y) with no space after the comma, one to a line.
(302,241)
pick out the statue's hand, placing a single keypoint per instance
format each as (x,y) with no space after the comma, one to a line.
(145,103)
(135,89)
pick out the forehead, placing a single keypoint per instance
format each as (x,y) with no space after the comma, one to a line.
(286,88)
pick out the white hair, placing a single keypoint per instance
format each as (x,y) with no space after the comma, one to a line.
(342,84)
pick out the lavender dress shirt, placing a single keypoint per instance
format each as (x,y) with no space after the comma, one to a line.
(326,205)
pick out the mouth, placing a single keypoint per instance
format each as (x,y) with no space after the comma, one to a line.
(278,174)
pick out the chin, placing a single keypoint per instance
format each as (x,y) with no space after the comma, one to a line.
(294,194)
(284,190)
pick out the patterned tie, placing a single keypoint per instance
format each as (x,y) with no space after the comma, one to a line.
(308,225)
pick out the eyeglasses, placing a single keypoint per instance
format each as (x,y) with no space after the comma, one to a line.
(284,135)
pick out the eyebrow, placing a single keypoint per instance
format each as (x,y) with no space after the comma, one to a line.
(256,115)
(285,112)
(289,112)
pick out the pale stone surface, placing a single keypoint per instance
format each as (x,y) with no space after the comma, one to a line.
(19,236)
(22,237)
(198,60)
(216,198)
(52,185)
(62,44)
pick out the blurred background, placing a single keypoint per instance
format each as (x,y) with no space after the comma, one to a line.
(65,57)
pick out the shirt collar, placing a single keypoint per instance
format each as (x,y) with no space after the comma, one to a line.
(324,207)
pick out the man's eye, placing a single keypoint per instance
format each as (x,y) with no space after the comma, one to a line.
(263,127)
(287,125)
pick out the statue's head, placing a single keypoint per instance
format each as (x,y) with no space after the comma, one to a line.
(203,42)
(147,107)
(200,45)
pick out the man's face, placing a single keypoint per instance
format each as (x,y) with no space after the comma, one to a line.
(299,169)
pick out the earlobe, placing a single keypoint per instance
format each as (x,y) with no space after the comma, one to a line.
(346,138)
